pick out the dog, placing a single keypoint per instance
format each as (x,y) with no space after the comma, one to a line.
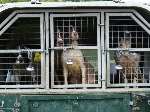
(74,69)
(129,62)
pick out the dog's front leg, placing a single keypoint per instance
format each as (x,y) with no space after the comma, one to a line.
(65,75)
(83,69)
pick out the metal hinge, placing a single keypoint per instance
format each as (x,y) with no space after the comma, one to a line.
(118,1)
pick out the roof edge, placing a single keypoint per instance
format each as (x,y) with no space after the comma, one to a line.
(69,4)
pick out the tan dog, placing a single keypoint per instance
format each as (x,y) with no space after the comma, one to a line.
(129,62)
(73,62)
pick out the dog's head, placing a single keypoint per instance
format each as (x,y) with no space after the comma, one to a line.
(124,43)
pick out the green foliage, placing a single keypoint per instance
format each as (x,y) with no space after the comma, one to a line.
(8,1)
(11,1)
(51,0)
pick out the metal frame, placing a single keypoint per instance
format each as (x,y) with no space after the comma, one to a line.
(47,39)
(79,47)
(75,5)
(102,52)
(103,28)
(145,27)
(5,25)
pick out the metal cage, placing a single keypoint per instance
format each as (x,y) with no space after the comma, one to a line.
(39,49)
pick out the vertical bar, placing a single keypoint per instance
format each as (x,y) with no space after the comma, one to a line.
(143,75)
(131,73)
(119,76)
(142,39)
(125,78)
(47,49)
(136,37)
(113,77)
(57,61)
(69,32)
(137,74)
(112,38)
(63,27)
(93,24)
(148,41)
(103,47)
(149,76)
(87,25)
(99,46)
(81,26)
(75,23)
(118,36)
(52,51)
(42,47)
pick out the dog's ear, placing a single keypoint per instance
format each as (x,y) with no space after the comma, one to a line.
(74,34)
(60,40)
(121,41)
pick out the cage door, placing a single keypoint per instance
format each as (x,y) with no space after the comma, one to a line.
(75,56)
(127,46)
(21,52)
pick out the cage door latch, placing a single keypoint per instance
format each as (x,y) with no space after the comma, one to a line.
(100,25)
(103,50)
(131,103)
